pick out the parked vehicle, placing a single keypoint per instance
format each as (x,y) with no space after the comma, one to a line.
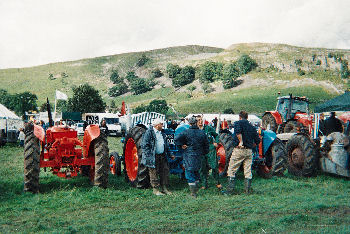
(112,121)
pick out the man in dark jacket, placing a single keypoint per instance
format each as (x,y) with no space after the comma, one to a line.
(332,124)
(155,150)
(195,145)
(245,139)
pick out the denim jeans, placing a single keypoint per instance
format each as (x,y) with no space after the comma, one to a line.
(192,176)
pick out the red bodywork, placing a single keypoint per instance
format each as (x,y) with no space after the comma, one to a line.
(63,151)
(345,117)
(276,115)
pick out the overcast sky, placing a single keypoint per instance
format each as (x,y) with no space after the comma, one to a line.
(34,32)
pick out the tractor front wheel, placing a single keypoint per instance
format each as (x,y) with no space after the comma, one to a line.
(302,156)
(31,160)
(275,161)
(115,163)
(135,173)
(269,122)
(101,161)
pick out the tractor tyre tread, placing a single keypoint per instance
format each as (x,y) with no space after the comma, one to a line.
(310,156)
(101,161)
(31,162)
(269,119)
(226,139)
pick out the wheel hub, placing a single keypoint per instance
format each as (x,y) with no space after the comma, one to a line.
(297,157)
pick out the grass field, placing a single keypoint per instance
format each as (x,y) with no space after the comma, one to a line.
(278,205)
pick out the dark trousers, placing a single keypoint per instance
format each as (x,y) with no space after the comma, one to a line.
(159,176)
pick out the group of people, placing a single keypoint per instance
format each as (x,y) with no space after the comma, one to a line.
(199,144)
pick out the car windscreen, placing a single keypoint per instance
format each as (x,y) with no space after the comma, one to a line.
(112,120)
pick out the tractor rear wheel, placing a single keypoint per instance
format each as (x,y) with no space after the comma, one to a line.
(269,122)
(115,163)
(275,161)
(224,152)
(101,161)
(31,161)
(291,126)
(135,173)
(302,156)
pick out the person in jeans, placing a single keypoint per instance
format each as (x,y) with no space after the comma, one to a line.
(155,150)
(245,139)
(195,144)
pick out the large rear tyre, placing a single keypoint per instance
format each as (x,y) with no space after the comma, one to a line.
(269,122)
(302,156)
(275,161)
(31,161)
(101,161)
(224,152)
(135,173)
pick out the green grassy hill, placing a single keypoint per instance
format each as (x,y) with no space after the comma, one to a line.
(277,71)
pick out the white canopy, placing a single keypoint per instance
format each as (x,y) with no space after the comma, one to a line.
(6,113)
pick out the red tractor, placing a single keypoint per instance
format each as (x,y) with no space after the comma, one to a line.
(291,113)
(62,151)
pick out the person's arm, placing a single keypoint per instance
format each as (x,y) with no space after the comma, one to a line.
(180,140)
(240,144)
(238,132)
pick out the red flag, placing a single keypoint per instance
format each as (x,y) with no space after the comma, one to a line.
(123,111)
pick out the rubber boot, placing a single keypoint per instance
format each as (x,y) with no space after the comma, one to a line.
(247,186)
(193,190)
(230,186)
(166,191)
(157,192)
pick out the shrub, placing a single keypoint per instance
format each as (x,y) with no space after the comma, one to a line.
(228,83)
(300,72)
(298,62)
(172,70)
(246,64)
(186,76)
(86,99)
(344,69)
(155,73)
(115,78)
(159,106)
(139,109)
(142,60)
(139,86)
(130,76)
(318,62)
(209,71)
(118,89)
(231,71)
(228,111)
(207,88)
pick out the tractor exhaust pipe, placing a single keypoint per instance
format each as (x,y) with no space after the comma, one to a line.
(49,114)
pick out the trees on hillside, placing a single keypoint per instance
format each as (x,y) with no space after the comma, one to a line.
(86,99)
(19,102)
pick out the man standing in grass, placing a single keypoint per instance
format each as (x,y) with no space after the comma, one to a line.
(209,160)
(196,146)
(245,139)
(154,156)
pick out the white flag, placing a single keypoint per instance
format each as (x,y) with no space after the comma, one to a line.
(61,96)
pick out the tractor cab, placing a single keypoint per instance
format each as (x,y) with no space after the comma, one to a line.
(289,106)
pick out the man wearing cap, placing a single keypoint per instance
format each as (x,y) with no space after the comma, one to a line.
(245,139)
(195,144)
(154,156)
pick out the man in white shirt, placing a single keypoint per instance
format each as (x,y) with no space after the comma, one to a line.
(154,156)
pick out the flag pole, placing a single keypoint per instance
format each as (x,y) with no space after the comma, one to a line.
(54,114)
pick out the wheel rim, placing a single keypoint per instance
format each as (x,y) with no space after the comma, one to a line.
(112,165)
(220,152)
(297,158)
(131,159)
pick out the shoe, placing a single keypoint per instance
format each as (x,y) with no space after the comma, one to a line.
(248,186)
(157,192)
(230,186)
(166,191)
(193,190)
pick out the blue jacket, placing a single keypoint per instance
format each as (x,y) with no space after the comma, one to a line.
(148,147)
(197,147)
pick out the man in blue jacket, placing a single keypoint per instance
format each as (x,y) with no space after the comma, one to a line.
(196,146)
(155,151)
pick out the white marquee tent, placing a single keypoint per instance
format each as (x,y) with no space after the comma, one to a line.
(9,120)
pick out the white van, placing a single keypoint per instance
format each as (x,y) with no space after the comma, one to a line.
(112,121)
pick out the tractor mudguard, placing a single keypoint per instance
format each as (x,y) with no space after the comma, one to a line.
(268,138)
(39,132)
(91,133)
(276,115)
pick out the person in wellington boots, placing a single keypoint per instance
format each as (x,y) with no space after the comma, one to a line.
(209,160)
(155,151)
(195,144)
(245,139)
